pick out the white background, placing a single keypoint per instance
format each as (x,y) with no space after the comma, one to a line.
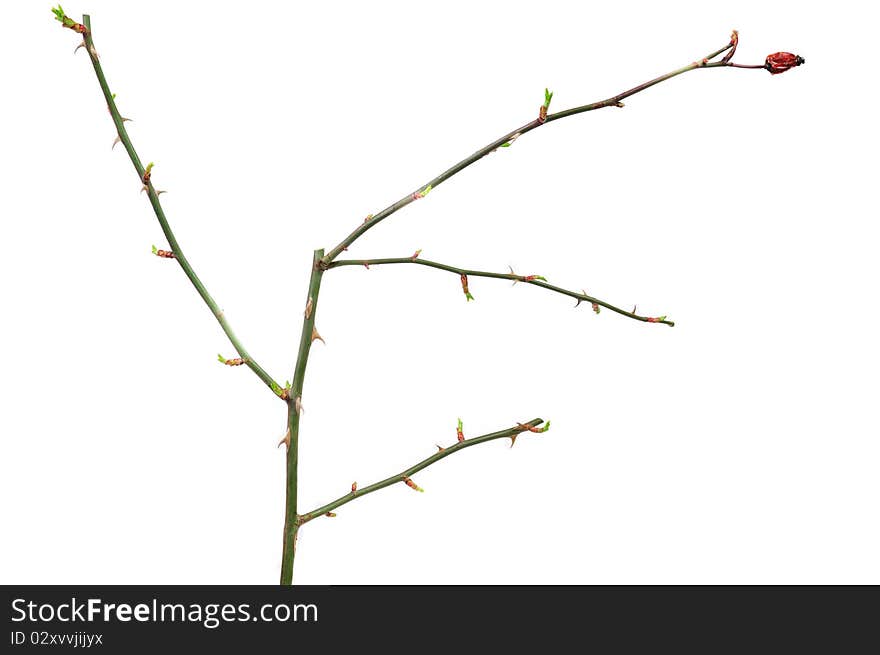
(740,446)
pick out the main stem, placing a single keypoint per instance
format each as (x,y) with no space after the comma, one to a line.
(294,409)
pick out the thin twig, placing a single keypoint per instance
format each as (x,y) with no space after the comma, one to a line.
(403,476)
(118,121)
(582,297)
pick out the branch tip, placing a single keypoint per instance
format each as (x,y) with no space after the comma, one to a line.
(68,22)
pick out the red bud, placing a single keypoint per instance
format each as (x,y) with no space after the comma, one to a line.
(779,62)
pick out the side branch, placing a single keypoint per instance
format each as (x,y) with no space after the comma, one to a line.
(507,139)
(144,174)
(525,279)
(403,476)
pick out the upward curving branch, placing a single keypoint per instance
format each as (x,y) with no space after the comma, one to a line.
(403,476)
(176,252)
(543,117)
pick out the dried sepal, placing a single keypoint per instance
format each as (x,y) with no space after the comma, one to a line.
(734,41)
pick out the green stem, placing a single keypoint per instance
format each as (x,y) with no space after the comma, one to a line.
(412,470)
(528,127)
(291,519)
(581,297)
(163,221)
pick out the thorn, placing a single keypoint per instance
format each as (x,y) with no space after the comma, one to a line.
(317,336)
(635,307)
(159,192)
(366,266)
(115,141)
(440,448)
(512,272)
(145,188)
(125,120)
(354,487)
(285,440)
(513,439)
(308,312)
(580,300)
(510,142)
(81,45)
(297,405)
(412,485)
